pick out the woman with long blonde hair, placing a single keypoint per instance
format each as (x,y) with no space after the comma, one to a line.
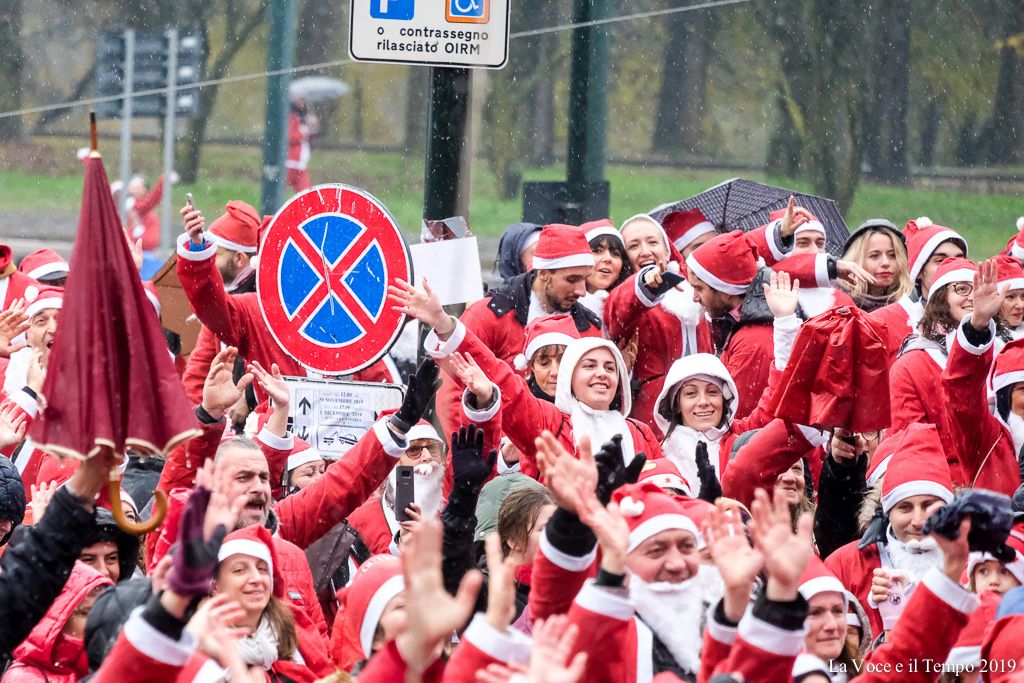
(880,248)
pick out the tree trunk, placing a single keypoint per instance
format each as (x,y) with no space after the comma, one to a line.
(417,103)
(541,141)
(12,60)
(931,119)
(1003,135)
(887,130)
(688,52)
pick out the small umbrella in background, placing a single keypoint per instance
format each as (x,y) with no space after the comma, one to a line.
(110,382)
(741,204)
(317,89)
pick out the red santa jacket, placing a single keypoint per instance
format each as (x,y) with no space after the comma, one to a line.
(988,457)
(142,654)
(664,337)
(499,321)
(528,415)
(900,320)
(370,520)
(146,219)
(769,452)
(758,650)
(298,143)
(855,568)
(47,655)
(916,394)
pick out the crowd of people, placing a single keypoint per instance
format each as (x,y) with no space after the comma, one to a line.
(605,487)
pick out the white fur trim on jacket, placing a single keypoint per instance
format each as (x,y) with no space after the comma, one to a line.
(949,591)
(392,445)
(510,646)
(485,414)
(602,601)
(967,346)
(784,331)
(156,645)
(570,563)
(769,638)
(437,349)
(184,252)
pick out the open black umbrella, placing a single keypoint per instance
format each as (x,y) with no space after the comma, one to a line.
(741,204)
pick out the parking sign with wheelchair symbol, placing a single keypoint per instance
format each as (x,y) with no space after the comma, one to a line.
(468,11)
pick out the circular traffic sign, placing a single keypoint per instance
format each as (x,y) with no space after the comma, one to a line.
(322,279)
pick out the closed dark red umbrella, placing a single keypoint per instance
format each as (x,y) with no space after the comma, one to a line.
(110,381)
(838,374)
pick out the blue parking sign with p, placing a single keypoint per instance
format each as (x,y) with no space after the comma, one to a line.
(401,10)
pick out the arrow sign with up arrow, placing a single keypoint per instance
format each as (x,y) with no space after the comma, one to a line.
(305,406)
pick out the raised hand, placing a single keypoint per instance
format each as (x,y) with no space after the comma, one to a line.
(12,426)
(737,562)
(13,322)
(658,280)
(211,626)
(194,224)
(781,295)
(220,391)
(221,510)
(955,553)
(41,497)
(422,304)
(612,472)
(853,273)
(470,468)
(472,377)
(135,248)
(562,472)
(554,639)
(608,525)
(501,585)
(785,552)
(988,295)
(710,487)
(36,373)
(420,389)
(432,614)
(272,383)
(794,217)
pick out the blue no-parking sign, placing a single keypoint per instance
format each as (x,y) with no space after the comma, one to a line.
(324,268)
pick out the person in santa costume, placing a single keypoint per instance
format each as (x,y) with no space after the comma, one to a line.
(373,612)
(45,266)
(654,312)
(302,124)
(13,283)
(916,483)
(376,520)
(546,339)
(611,263)
(143,220)
(881,249)
(986,573)
(1010,319)
(305,465)
(664,474)
(699,399)
(928,245)
(592,396)
(915,379)
(990,432)
(235,234)
(41,314)
(235,320)
(561,264)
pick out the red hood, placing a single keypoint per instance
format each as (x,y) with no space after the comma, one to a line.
(38,649)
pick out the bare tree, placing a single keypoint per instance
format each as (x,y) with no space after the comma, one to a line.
(12,60)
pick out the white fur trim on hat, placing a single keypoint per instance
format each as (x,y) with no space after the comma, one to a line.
(822,584)
(695,231)
(422,431)
(570,261)
(154,301)
(876,475)
(810,226)
(48,269)
(546,339)
(40,305)
(225,243)
(31,293)
(853,619)
(713,281)
(670,481)
(919,487)
(930,246)
(923,222)
(963,657)
(303,457)
(246,546)
(1014,283)
(657,524)
(371,617)
(602,230)
(954,276)
(530,240)
(1016,567)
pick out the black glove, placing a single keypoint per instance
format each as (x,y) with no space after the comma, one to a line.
(195,559)
(470,468)
(420,388)
(875,530)
(611,472)
(991,521)
(710,487)
(668,281)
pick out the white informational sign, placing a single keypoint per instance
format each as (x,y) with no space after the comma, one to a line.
(452,267)
(470,33)
(332,415)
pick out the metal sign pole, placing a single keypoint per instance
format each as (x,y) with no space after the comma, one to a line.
(126,121)
(169,114)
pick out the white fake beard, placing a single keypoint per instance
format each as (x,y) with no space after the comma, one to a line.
(428,488)
(680,303)
(675,613)
(816,300)
(1016,426)
(915,557)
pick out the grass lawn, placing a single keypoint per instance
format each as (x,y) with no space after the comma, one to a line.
(54,185)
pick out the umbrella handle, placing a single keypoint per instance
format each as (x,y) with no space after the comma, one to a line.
(136,528)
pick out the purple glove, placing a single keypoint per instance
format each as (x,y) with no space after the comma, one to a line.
(194,559)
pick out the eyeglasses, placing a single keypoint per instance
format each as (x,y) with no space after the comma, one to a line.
(963,288)
(434,448)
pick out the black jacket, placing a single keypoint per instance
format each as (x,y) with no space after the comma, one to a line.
(33,572)
(841,490)
(12,496)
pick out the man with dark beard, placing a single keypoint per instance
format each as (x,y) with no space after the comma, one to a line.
(916,483)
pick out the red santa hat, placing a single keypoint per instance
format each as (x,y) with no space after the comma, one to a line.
(967,650)
(664,474)
(376,583)
(152,295)
(726,263)
(923,238)
(44,265)
(683,227)
(422,430)
(917,468)
(562,246)
(302,454)
(818,579)
(951,271)
(649,511)
(42,298)
(237,229)
(1010,272)
(810,225)
(546,331)
(1008,368)
(600,228)
(643,219)
(255,541)
(882,456)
